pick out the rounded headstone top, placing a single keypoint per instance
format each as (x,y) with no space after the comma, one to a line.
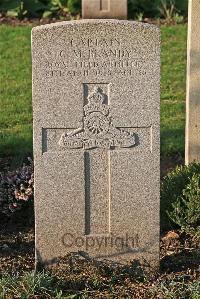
(106,22)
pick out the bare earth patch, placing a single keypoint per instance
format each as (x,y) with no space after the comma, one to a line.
(180,261)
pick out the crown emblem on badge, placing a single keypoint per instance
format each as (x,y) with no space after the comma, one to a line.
(98,130)
(96,103)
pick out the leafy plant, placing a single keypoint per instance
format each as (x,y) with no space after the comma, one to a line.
(22,8)
(173,11)
(178,19)
(167,9)
(56,8)
(182,7)
(74,6)
(139,17)
(157,8)
(146,7)
(179,192)
(28,285)
(34,8)
(61,8)
(176,288)
(13,8)
(186,209)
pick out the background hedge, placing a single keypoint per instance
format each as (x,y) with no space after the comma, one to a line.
(59,8)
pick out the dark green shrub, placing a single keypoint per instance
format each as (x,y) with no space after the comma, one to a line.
(74,6)
(182,7)
(22,8)
(186,209)
(34,8)
(147,7)
(56,8)
(172,10)
(152,8)
(39,8)
(175,192)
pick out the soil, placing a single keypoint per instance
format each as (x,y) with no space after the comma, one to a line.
(179,257)
(25,21)
(178,251)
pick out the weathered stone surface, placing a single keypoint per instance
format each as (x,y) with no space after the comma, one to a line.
(192,149)
(104,9)
(96,140)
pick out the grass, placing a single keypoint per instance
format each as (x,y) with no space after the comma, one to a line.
(27,285)
(173,86)
(45,285)
(15,96)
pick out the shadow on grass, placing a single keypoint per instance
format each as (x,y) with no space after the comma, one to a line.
(11,146)
(172,141)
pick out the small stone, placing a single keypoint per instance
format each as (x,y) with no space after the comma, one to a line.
(170,235)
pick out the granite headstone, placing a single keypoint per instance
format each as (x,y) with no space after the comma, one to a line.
(192,148)
(96,140)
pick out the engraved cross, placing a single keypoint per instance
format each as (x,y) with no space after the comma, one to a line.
(97,137)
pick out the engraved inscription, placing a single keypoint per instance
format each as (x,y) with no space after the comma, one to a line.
(99,57)
(98,130)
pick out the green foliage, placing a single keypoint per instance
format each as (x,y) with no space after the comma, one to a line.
(22,8)
(56,8)
(74,6)
(167,9)
(146,7)
(182,7)
(180,197)
(173,6)
(34,8)
(157,8)
(177,288)
(27,286)
(49,8)
(186,208)
(178,19)
(40,8)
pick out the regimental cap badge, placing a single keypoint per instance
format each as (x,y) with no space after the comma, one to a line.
(98,130)
(96,101)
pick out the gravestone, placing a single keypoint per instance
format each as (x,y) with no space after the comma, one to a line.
(96,140)
(192,148)
(104,9)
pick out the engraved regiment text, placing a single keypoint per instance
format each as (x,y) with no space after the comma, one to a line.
(99,57)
